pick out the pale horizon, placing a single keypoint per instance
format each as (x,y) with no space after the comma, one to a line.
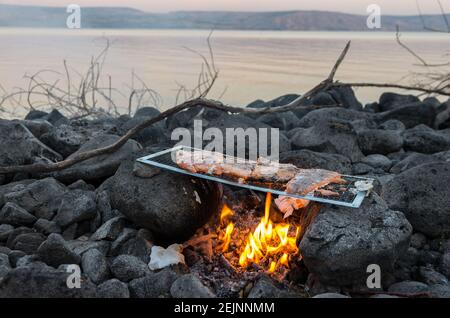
(400,7)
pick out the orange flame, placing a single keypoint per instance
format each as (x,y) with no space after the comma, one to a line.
(269,240)
(226,212)
(227,237)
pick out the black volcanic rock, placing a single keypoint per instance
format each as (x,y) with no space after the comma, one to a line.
(389,101)
(76,206)
(42,282)
(190,286)
(64,139)
(424,139)
(333,138)
(341,242)
(15,215)
(423,195)
(99,167)
(377,141)
(127,267)
(154,284)
(41,198)
(55,251)
(20,146)
(155,134)
(410,115)
(95,265)
(282,121)
(169,205)
(27,242)
(113,288)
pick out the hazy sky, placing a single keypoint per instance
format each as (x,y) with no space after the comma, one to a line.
(351,6)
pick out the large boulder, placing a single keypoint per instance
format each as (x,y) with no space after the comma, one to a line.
(341,242)
(335,138)
(424,139)
(171,206)
(101,166)
(389,101)
(378,141)
(423,195)
(343,96)
(333,114)
(410,115)
(412,160)
(20,146)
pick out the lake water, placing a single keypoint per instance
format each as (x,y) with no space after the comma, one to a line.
(253,64)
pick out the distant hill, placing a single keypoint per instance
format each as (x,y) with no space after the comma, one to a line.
(128,18)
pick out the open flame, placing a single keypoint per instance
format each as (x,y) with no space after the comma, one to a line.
(226,237)
(268,242)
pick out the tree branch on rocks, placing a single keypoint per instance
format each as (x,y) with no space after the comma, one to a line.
(201,100)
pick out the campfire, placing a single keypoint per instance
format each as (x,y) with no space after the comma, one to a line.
(248,235)
(268,245)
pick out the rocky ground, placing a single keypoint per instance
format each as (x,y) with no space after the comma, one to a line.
(105,214)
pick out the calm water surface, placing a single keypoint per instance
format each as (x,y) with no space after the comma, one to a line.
(253,64)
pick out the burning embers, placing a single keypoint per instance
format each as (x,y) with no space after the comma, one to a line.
(269,246)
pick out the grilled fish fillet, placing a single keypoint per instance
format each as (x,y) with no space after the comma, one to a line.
(298,181)
(304,182)
(262,170)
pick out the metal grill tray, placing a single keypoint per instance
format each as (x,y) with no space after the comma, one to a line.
(347,197)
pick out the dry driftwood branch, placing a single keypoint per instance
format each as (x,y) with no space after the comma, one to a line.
(200,101)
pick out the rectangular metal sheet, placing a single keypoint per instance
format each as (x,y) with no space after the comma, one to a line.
(351,197)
